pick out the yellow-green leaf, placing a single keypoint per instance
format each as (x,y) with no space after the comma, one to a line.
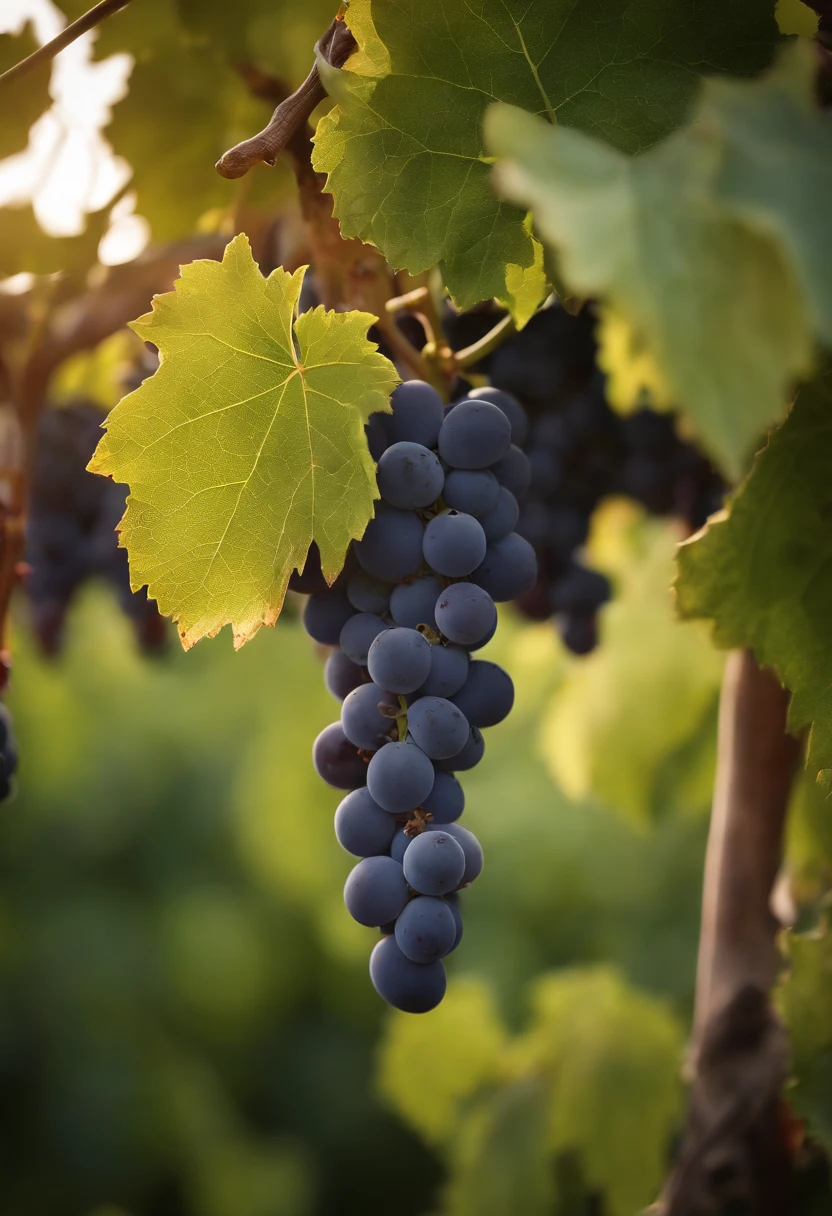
(805,999)
(245,445)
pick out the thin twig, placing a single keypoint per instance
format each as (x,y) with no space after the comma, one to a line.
(336,45)
(487,344)
(68,35)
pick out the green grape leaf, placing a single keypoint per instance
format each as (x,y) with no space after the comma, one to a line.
(612,1056)
(22,100)
(762,569)
(245,445)
(428,1065)
(501,1161)
(737,200)
(804,997)
(404,150)
(620,716)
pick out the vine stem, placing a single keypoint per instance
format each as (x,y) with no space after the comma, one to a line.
(739,1052)
(488,343)
(87,21)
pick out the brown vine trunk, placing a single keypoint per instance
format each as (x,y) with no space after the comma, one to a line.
(734,1144)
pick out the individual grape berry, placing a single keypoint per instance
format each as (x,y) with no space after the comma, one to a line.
(578,631)
(425,929)
(475,435)
(408,986)
(391,547)
(514,471)
(465,614)
(362,827)
(399,660)
(341,675)
(454,544)
(434,862)
(502,519)
(310,580)
(400,777)
(474,491)
(399,843)
(448,671)
(487,696)
(580,591)
(337,761)
(508,569)
(417,414)
(471,848)
(438,727)
(451,901)
(410,476)
(358,635)
(511,407)
(363,719)
(325,615)
(469,757)
(367,594)
(377,431)
(412,604)
(375,891)
(446,801)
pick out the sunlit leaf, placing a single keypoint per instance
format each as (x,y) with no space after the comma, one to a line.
(805,998)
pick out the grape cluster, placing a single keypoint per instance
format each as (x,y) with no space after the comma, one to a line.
(414,602)
(8,753)
(581,451)
(71,529)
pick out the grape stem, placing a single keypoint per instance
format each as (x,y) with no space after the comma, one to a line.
(486,345)
(401,720)
(739,1052)
(87,21)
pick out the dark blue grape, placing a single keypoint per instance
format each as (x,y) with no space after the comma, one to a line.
(434,862)
(514,471)
(446,801)
(325,615)
(475,435)
(546,472)
(579,590)
(417,414)
(368,594)
(454,544)
(362,827)
(457,915)
(578,631)
(474,491)
(465,614)
(487,696)
(471,848)
(408,986)
(362,718)
(426,929)
(399,660)
(377,431)
(448,671)
(375,891)
(391,547)
(341,675)
(410,476)
(502,520)
(508,569)
(337,761)
(310,580)
(413,604)
(469,757)
(399,843)
(400,777)
(438,727)
(510,406)
(358,635)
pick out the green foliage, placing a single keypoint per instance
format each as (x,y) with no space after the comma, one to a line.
(25,247)
(245,446)
(22,100)
(594,1077)
(621,716)
(404,150)
(735,195)
(805,999)
(761,569)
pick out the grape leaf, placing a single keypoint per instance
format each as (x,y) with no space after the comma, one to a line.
(762,569)
(245,445)
(620,715)
(711,247)
(804,997)
(403,149)
(22,100)
(429,1065)
(612,1057)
